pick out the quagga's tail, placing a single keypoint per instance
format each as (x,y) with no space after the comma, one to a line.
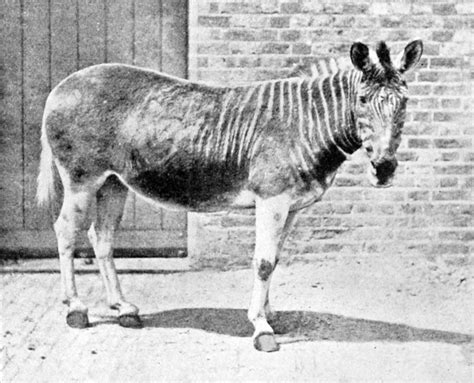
(46,190)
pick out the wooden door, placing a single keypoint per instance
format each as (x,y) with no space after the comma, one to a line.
(42,42)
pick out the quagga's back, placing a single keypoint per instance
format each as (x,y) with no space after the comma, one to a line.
(199,146)
(274,145)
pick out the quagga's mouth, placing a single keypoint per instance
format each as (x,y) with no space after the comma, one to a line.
(381,173)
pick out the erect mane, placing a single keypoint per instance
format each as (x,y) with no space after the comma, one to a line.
(320,68)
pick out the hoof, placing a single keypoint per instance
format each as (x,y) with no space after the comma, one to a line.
(266,342)
(130,320)
(77,319)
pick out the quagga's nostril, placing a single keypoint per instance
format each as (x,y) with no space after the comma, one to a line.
(385,169)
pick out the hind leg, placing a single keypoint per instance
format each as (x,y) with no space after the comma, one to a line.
(110,203)
(67,226)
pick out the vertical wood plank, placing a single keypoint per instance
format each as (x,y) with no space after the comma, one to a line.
(91,32)
(91,49)
(119,43)
(36,88)
(161,43)
(148,33)
(147,216)
(174,220)
(11,185)
(175,37)
(147,53)
(120,31)
(174,61)
(63,39)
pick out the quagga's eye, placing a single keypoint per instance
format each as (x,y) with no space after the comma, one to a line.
(363,100)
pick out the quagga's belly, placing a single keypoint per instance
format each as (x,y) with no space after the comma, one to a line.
(191,185)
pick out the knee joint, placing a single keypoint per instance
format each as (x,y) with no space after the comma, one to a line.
(265,269)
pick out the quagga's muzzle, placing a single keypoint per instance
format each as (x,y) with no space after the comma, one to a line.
(381,172)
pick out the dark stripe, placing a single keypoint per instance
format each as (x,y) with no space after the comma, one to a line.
(275,110)
(342,126)
(330,105)
(286,100)
(209,124)
(247,117)
(305,116)
(276,99)
(262,118)
(317,128)
(200,139)
(345,107)
(227,116)
(315,116)
(294,105)
(230,121)
(223,115)
(348,123)
(318,99)
(338,127)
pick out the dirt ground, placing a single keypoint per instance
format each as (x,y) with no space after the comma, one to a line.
(339,320)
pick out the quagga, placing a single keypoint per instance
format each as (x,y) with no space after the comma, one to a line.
(275,145)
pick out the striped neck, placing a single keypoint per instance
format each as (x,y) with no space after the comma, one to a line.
(318,112)
(331,108)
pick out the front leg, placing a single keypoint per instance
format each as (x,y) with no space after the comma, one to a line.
(289,223)
(271,215)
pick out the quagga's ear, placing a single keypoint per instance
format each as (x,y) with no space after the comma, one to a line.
(360,56)
(409,57)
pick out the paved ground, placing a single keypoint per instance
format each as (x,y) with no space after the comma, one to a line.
(369,319)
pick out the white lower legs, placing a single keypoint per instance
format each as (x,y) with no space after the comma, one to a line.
(110,203)
(102,245)
(271,219)
(71,217)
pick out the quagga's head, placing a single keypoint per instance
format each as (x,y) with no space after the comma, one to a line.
(381,101)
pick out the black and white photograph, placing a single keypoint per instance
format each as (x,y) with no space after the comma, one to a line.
(236,191)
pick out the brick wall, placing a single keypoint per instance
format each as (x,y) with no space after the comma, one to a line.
(429,210)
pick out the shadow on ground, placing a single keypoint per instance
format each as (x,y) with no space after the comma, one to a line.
(300,326)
